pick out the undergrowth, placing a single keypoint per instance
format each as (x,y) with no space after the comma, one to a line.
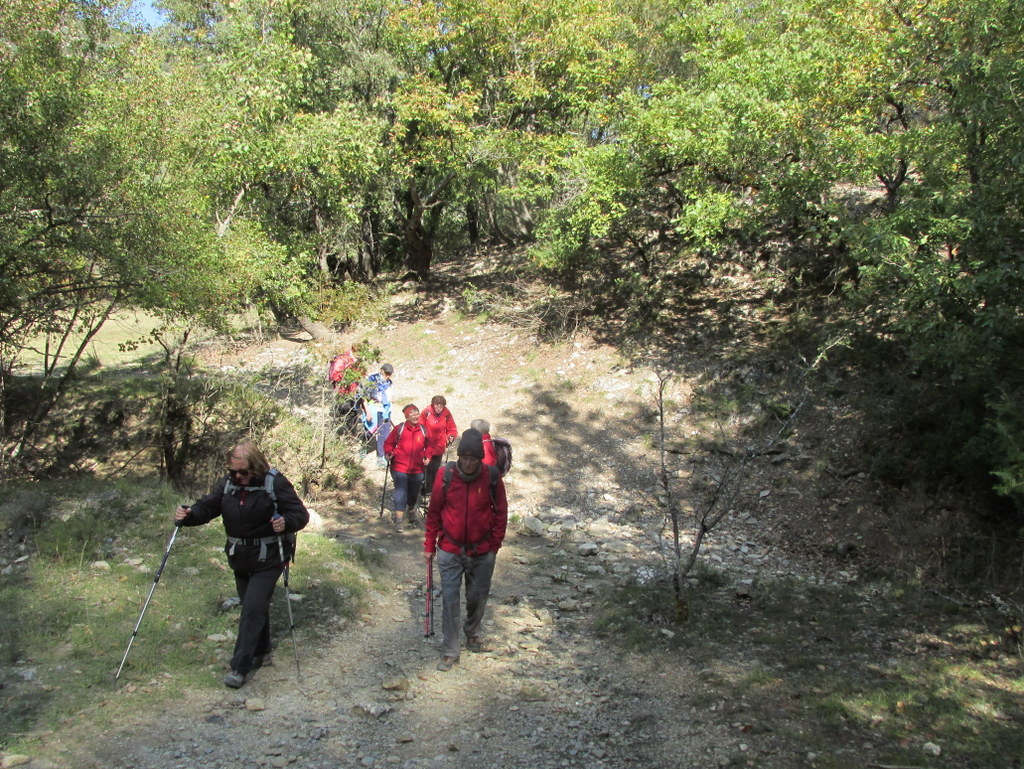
(81,544)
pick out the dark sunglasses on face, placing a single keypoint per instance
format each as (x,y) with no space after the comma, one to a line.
(237,473)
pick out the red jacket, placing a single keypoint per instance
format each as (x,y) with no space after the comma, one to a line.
(464,515)
(490,457)
(440,428)
(407,447)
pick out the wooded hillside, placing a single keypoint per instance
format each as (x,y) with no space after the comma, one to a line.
(862,158)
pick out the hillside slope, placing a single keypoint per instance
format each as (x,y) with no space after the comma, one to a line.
(792,656)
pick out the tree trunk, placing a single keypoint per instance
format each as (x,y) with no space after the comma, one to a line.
(319,331)
(419,246)
(418,231)
(473,222)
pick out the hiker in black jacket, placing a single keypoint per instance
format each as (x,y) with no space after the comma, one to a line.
(261,513)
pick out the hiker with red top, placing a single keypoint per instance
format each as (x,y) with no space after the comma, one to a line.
(406,452)
(490,458)
(441,431)
(465,527)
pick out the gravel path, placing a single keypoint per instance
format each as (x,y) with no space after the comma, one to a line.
(545,692)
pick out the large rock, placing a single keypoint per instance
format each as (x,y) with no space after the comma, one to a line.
(531,527)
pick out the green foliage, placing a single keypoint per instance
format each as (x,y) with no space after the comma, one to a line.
(352,303)
(1006,427)
(592,200)
(279,156)
(199,416)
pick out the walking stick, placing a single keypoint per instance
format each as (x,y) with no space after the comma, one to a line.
(384,487)
(428,619)
(288,602)
(156,579)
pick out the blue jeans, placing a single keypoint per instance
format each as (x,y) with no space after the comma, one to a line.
(407,490)
(477,570)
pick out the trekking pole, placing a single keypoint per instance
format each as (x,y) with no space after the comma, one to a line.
(384,487)
(288,601)
(156,579)
(428,619)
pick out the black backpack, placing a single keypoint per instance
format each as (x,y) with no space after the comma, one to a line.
(502,454)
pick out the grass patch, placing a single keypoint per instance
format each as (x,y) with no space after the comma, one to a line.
(124,339)
(71,601)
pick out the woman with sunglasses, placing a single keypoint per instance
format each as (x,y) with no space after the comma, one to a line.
(261,513)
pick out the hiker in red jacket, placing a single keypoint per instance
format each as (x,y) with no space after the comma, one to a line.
(465,527)
(406,452)
(490,458)
(441,431)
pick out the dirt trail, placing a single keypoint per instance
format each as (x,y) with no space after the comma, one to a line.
(550,692)
(545,692)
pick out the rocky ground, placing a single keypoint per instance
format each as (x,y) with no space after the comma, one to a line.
(544,693)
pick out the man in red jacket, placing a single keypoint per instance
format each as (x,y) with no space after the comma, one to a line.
(465,527)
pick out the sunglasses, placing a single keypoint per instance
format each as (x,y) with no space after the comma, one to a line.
(238,473)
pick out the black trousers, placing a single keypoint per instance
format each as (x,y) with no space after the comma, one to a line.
(431,471)
(255,589)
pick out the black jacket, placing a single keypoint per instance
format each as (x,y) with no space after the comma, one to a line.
(246,514)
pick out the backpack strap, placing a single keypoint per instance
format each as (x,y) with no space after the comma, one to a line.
(401,427)
(449,470)
(268,486)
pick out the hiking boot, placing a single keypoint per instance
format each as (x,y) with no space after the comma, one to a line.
(474,644)
(399,526)
(262,660)
(412,519)
(235,680)
(445,663)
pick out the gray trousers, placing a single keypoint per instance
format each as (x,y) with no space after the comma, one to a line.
(477,571)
